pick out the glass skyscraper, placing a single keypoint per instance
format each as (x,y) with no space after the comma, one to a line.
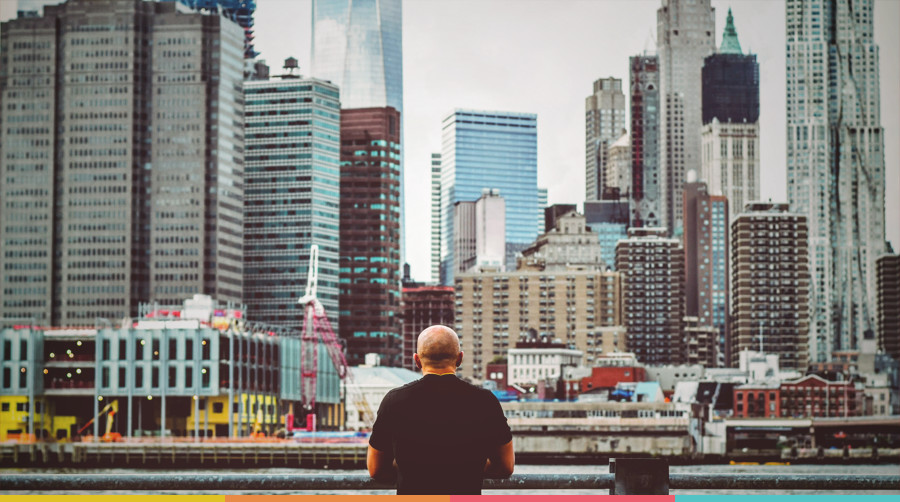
(292,192)
(357,44)
(496,150)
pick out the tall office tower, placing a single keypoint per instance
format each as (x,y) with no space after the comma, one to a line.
(888,284)
(479,235)
(604,120)
(647,194)
(435,217)
(542,204)
(652,268)
(424,306)
(111,205)
(291,200)
(684,36)
(770,285)
(609,219)
(706,259)
(730,133)
(481,150)
(835,163)
(358,45)
(370,234)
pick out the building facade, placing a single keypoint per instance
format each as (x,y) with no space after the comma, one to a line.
(888,283)
(291,196)
(730,134)
(496,150)
(529,363)
(652,268)
(770,285)
(604,120)
(370,234)
(480,228)
(569,244)
(111,206)
(572,306)
(647,191)
(435,218)
(424,306)
(835,163)
(684,36)
(706,259)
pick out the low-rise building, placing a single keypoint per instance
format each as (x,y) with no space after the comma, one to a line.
(531,362)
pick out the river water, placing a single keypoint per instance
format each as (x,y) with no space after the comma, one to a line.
(861,470)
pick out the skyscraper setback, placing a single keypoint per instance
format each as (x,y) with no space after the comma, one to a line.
(604,118)
(835,163)
(122,123)
(685,35)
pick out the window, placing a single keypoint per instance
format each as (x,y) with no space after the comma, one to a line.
(5,407)
(188,377)
(122,379)
(139,377)
(218,407)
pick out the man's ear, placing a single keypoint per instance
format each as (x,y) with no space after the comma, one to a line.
(459,359)
(417,361)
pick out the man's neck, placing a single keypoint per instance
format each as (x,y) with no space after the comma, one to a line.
(438,371)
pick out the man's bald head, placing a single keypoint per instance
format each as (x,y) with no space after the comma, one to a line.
(438,346)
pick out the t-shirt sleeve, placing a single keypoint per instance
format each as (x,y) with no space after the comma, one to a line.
(498,432)
(382,435)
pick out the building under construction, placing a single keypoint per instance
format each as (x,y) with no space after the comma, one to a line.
(192,370)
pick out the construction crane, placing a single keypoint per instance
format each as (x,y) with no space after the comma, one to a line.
(316,330)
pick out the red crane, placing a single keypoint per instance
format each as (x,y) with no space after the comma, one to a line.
(316,330)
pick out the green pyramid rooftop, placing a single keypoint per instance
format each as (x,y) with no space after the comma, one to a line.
(730,44)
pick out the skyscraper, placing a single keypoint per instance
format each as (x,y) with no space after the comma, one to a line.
(770,285)
(684,37)
(357,44)
(490,150)
(706,258)
(888,270)
(652,268)
(604,120)
(127,150)
(370,234)
(730,133)
(835,163)
(435,218)
(647,195)
(291,196)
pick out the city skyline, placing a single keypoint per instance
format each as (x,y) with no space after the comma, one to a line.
(430,95)
(547,51)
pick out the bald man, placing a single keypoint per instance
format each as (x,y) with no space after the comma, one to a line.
(439,434)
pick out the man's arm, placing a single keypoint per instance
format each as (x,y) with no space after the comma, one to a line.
(500,462)
(381,464)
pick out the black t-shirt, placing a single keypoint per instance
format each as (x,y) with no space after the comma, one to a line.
(440,429)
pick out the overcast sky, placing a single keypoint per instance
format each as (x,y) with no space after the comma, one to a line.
(542,56)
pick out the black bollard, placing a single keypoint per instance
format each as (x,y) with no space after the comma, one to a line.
(639,476)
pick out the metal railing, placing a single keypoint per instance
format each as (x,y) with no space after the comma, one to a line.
(302,482)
